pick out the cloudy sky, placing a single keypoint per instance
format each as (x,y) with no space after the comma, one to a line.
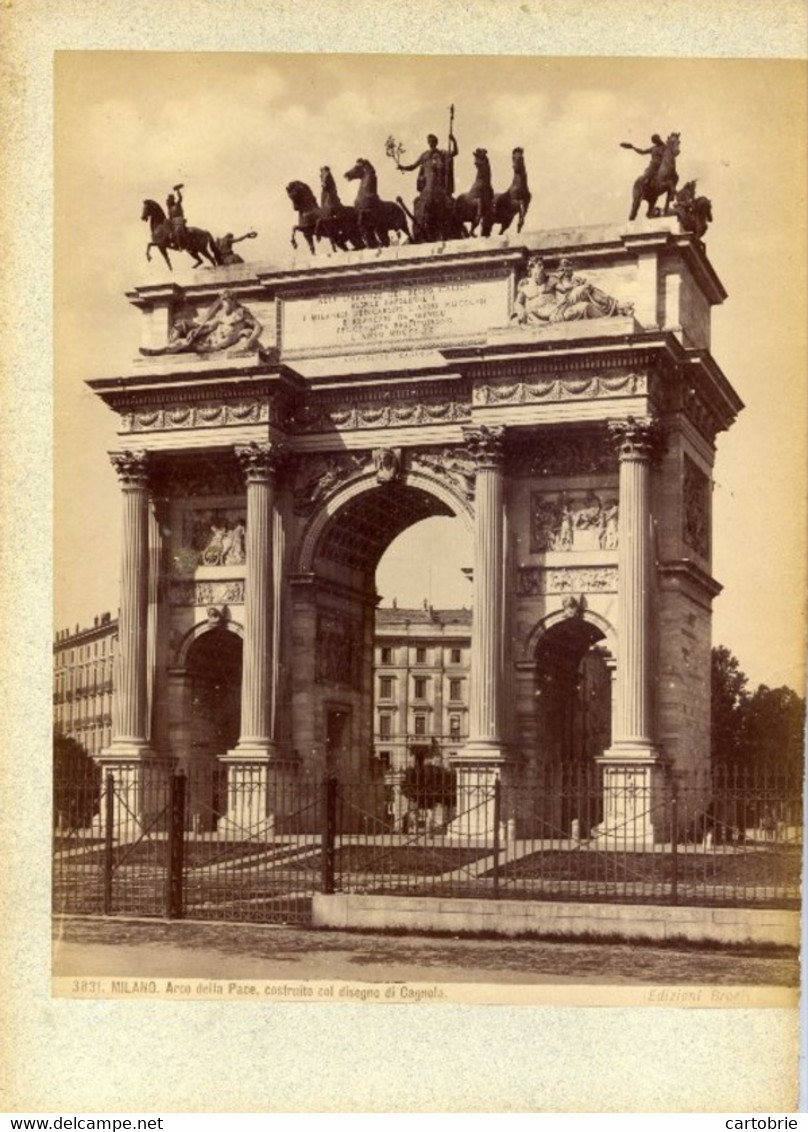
(235,128)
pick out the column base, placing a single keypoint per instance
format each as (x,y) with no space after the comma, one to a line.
(478,771)
(634,813)
(259,794)
(140,789)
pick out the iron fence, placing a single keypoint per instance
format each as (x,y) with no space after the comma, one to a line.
(251,842)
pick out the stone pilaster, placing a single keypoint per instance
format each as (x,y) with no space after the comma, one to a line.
(630,778)
(479,760)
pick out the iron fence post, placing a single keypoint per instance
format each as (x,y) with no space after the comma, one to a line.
(329,831)
(175,846)
(675,849)
(497,821)
(109,818)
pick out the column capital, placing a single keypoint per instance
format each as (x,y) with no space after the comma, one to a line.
(486,445)
(260,462)
(132,468)
(638,440)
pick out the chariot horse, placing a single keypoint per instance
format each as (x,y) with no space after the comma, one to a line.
(515,201)
(198,242)
(308,212)
(377,218)
(649,189)
(476,207)
(338,222)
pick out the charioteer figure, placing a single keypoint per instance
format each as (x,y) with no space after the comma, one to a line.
(440,161)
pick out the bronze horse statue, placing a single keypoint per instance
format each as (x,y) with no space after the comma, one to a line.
(476,207)
(649,189)
(338,222)
(515,201)
(198,242)
(308,212)
(311,222)
(694,213)
(377,218)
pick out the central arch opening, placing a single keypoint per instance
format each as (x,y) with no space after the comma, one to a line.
(392,623)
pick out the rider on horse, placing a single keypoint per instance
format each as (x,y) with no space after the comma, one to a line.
(176,218)
(657,152)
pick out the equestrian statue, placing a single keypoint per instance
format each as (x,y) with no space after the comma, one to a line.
(659,177)
(170,231)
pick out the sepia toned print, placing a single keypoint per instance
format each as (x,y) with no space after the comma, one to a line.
(453,396)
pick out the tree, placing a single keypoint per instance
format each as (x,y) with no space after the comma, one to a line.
(76,784)
(776,729)
(728,709)
(429,785)
(763,730)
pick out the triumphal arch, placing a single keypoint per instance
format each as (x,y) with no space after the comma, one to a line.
(282,424)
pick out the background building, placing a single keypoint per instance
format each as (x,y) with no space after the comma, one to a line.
(83,682)
(421,671)
(421,664)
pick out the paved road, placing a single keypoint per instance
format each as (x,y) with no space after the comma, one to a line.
(126,948)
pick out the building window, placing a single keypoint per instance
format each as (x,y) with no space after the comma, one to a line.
(420,687)
(454,727)
(385,726)
(386,687)
(384,759)
(387,655)
(420,725)
(455,689)
(456,656)
(420,656)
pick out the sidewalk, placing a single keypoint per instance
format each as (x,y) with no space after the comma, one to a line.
(183,949)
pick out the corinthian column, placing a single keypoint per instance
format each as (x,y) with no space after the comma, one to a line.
(485,706)
(130,738)
(632,729)
(259,463)
(631,788)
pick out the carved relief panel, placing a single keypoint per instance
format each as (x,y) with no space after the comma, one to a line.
(573,521)
(695,508)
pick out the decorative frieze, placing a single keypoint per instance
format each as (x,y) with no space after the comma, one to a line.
(585,454)
(533,581)
(182,479)
(319,416)
(696,508)
(207,593)
(193,415)
(573,521)
(549,388)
